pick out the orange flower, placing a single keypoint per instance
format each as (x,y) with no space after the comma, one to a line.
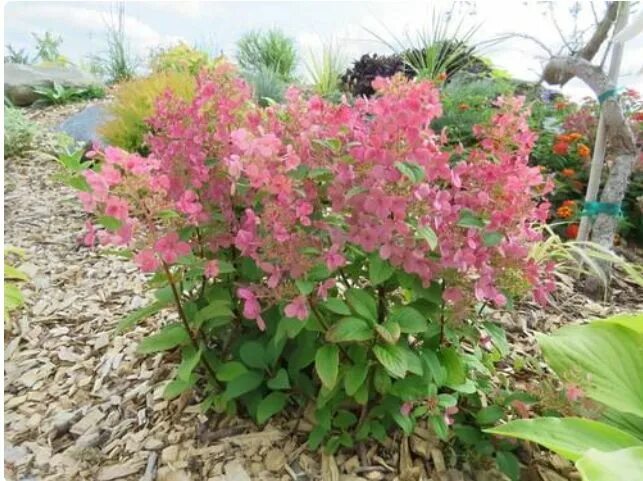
(572,231)
(583,151)
(560,148)
(442,76)
(463,107)
(575,136)
(560,105)
(569,203)
(564,212)
(568,173)
(565,138)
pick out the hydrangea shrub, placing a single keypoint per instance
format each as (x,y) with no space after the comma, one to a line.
(331,253)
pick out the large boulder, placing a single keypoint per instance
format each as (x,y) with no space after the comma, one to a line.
(20,80)
(83,126)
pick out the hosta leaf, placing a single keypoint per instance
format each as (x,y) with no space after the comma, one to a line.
(392,358)
(363,303)
(630,321)
(622,465)
(569,437)
(327,365)
(608,355)
(409,319)
(350,329)
(167,338)
(271,405)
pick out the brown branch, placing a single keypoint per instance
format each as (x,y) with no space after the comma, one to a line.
(593,45)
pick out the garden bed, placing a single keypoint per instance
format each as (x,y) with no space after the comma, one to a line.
(80,403)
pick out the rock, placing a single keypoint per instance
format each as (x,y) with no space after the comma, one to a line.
(275,460)
(20,80)
(234,471)
(83,126)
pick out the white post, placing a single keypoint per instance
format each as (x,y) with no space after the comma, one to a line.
(598,157)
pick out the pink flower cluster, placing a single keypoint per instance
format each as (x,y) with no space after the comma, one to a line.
(293,185)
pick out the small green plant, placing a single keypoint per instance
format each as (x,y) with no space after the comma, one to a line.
(325,71)
(603,361)
(58,94)
(18,133)
(48,47)
(13,297)
(17,56)
(270,50)
(180,58)
(117,63)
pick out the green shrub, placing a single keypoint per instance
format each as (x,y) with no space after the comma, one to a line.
(180,58)
(271,50)
(18,132)
(604,361)
(466,102)
(58,94)
(134,103)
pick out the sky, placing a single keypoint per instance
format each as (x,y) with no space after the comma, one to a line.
(354,27)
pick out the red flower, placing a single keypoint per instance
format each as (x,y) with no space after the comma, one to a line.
(560,148)
(572,231)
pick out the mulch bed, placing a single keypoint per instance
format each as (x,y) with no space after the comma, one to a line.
(81,404)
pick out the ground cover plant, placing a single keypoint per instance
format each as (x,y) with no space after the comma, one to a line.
(322,253)
(18,132)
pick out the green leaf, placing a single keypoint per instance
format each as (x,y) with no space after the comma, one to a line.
(389,332)
(167,338)
(110,223)
(498,337)
(305,287)
(508,464)
(608,355)
(409,319)
(493,238)
(337,306)
(432,363)
(569,437)
(630,321)
(271,405)
(190,360)
(381,381)
(177,387)
(327,365)
(138,315)
(230,370)
(350,329)
(242,384)
(452,362)
(379,270)
(440,427)
(411,170)
(429,235)
(218,309)
(392,358)
(469,219)
(13,274)
(615,465)
(253,354)
(13,298)
(355,377)
(363,303)
(280,381)
(489,415)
